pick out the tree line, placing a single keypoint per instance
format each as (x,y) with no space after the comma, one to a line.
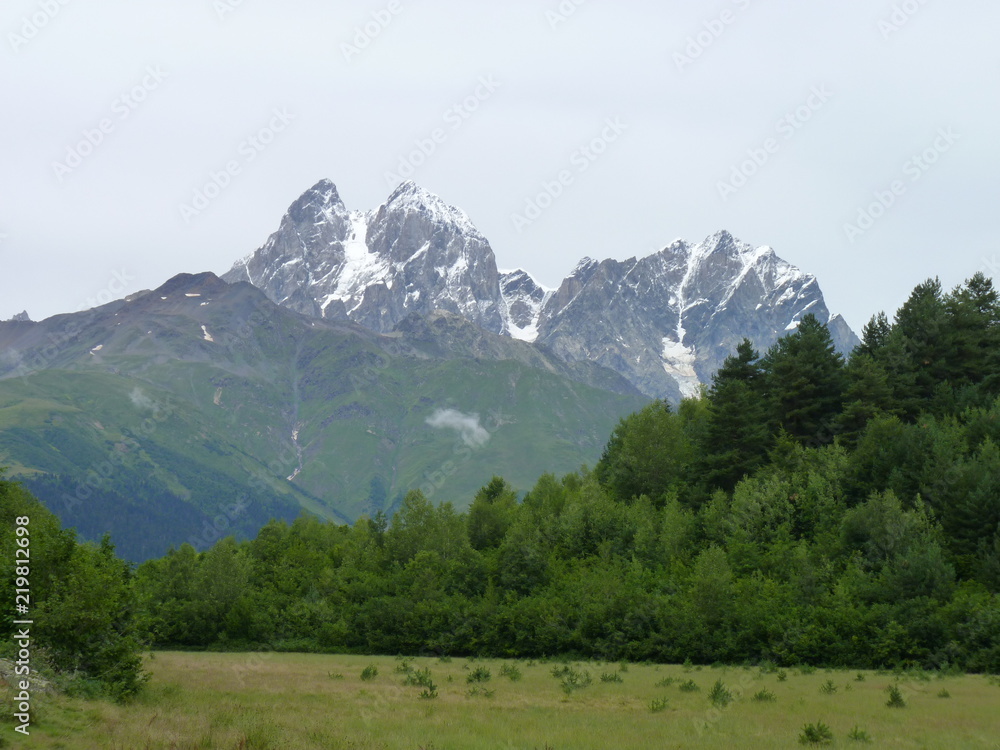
(806,509)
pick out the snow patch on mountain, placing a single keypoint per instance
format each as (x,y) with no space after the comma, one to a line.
(678,362)
(524,299)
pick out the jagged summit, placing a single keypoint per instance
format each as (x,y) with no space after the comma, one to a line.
(665,321)
(414,253)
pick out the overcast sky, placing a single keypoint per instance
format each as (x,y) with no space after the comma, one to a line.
(777,120)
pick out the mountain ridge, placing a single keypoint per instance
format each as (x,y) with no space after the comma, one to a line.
(665,321)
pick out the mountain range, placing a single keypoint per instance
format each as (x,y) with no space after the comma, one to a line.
(665,322)
(355,356)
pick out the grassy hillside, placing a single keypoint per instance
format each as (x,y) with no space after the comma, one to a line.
(202,403)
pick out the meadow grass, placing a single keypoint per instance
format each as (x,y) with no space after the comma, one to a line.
(265,701)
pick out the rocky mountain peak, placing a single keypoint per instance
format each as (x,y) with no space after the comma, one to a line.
(665,321)
(414,253)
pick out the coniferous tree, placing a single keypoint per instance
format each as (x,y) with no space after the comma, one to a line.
(874,335)
(736,437)
(920,332)
(805,383)
(973,334)
(868,395)
(491,514)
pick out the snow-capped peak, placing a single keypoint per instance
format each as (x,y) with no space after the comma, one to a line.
(411,197)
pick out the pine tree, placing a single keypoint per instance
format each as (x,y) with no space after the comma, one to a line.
(973,334)
(806,382)
(874,335)
(868,395)
(491,514)
(921,331)
(737,437)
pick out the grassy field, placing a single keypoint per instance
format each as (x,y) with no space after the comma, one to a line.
(261,701)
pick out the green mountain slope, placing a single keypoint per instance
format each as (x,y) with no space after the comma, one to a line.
(202,409)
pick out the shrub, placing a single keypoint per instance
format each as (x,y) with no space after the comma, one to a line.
(403,667)
(510,671)
(895,697)
(719,695)
(859,678)
(369,673)
(665,682)
(828,688)
(479,674)
(782,675)
(575,680)
(944,693)
(419,678)
(816,734)
(764,696)
(658,704)
(611,677)
(689,686)
(479,690)
(858,735)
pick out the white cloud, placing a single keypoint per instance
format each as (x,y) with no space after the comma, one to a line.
(141,401)
(467,426)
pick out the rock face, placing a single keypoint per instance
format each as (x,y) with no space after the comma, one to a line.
(414,254)
(669,320)
(665,322)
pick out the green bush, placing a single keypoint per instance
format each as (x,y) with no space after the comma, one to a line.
(419,678)
(720,695)
(574,680)
(511,672)
(816,734)
(858,735)
(611,677)
(658,704)
(896,699)
(369,673)
(689,686)
(764,696)
(479,674)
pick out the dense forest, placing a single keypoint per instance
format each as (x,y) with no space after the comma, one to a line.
(805,509)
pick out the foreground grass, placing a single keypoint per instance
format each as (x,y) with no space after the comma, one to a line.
(264,701)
